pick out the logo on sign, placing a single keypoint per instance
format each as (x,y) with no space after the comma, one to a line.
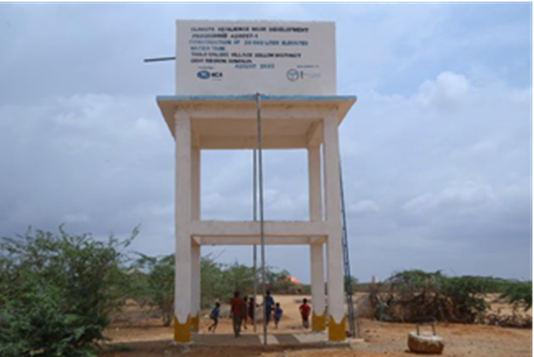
(203,75)
(292,75)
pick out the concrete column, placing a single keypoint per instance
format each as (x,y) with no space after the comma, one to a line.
(195,249)
(183,203)
(315,188)
(195,183)
(195,288)
(317,287)
(336,307)
(316,250)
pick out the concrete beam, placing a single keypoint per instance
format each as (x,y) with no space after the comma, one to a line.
(251,142)
(250,112)
(214,229)
(253,241)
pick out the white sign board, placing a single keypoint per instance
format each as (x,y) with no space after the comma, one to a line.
(249,57)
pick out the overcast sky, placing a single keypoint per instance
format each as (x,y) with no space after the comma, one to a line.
(436,153)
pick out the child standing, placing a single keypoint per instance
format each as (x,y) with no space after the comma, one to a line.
(305,313)
(252,310)
(237,308)
(277,315)
(268,303)
(214,315)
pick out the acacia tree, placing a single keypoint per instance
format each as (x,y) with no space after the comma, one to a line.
(415,296)
(155,284)
(519,294)
(57,291)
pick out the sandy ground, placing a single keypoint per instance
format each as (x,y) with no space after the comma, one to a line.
(140,334)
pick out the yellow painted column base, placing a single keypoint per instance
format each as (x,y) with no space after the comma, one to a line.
(318,322)
(182,332)
(195,323)
(336,332)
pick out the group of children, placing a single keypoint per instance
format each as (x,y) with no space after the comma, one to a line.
(242,308)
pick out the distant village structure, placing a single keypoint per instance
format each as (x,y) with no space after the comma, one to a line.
(230,75)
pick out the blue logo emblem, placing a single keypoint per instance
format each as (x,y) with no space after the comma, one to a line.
(292,75)
(203,75)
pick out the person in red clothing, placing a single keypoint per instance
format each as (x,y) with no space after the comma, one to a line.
(237,309)
(305,313)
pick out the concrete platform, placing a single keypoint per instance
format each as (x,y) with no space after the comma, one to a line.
(282,339)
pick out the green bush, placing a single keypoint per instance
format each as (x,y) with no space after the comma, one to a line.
(154,284)
(519,294)
(57,291)
(417,296)
(219,281)
(465,295)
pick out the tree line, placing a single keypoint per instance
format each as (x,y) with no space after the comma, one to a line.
(58,291)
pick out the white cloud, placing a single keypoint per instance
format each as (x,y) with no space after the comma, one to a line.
(457,196)
(523,95)
(363,207)
(95,162)
(450,166)
(448,89)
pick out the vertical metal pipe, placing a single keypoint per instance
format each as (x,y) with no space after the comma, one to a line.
(255,248)
(262,217)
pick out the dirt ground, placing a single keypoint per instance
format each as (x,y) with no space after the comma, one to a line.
(139,333)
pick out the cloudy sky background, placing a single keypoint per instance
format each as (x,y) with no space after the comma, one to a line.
(436,153)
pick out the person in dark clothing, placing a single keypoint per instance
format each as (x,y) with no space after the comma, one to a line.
(268,303)
(237,307)
(277,314)
(251,309)
(214,315)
